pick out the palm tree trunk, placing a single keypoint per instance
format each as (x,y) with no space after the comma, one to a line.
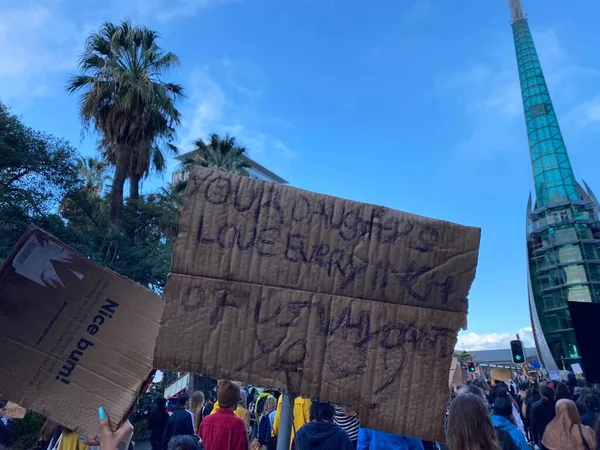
(116,196)
(134,187)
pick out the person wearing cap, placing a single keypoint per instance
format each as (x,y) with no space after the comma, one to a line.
(181,422)
(222,430)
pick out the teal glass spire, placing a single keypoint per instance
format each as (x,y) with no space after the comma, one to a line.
(552,173)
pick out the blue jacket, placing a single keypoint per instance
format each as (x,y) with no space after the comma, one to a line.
(503,423)
(379,440)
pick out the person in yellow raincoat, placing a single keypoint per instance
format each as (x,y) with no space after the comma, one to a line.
(301,415)
(240,412)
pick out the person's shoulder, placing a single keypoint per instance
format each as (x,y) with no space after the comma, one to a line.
(536,404)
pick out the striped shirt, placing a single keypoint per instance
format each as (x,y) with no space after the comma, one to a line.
(349,423)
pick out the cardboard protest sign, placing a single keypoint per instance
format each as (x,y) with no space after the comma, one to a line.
(73,335)
(353,303)
(499,374)
(455,378)
(14,411)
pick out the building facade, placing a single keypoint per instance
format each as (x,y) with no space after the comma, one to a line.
(563,230)
(255,170)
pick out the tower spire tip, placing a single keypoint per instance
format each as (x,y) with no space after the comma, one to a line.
(516,10)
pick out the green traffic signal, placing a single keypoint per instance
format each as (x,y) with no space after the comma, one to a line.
(518,353)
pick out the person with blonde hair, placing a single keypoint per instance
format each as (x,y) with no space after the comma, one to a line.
(197,404)
(265,425)
(565,431)
(469,425)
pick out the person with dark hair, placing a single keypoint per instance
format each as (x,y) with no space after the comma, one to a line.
(209,404)
(502,419)
(157,423)
(321,433)
(222,430)
(472,389)
(542,413)
(562,391)
(183,443)
(581,400)
(592,407)
(180,423)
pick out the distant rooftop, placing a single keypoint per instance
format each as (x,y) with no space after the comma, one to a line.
(500,355)
(262,170)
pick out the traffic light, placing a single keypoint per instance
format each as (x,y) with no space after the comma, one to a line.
(470,366)
(518,354)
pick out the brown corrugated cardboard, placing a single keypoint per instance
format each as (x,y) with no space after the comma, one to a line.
(499,374)
(455,377)
(73,335)
(353,303)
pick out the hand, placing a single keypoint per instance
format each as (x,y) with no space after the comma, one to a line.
(109,440)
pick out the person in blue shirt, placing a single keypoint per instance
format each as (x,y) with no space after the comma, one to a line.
(369,439)
(502,419)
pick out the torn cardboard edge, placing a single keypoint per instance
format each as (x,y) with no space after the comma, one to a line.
(36,272)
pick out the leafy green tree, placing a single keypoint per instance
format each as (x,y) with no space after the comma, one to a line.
(463,355)
(36,171)
(141,249)
(219,153)
(125,100)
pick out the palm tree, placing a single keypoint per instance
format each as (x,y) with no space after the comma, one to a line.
(125,100)
(222,153)
(93,173)
(143,161)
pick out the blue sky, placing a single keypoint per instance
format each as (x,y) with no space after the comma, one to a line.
(412,104)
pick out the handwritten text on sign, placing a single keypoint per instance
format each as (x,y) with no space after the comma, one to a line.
(349,302)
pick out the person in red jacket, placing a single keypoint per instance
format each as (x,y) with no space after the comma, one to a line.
(223,430)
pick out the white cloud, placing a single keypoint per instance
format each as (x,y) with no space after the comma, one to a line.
(483,89)
(591,111)
(40,40)
(471,341)
(210,109)
(244,76)
(166,11)
(35,43)
(585,114)
(490,94)
(161,11)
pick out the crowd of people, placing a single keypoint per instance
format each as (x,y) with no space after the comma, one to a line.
(240,420)
(546,416)
(480,416)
